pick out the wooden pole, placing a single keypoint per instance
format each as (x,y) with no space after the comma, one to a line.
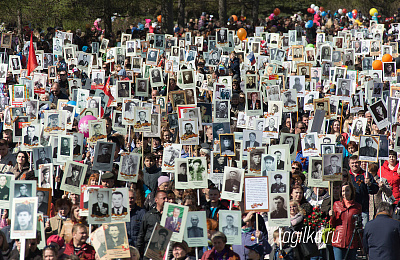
(257,225)
(22,249)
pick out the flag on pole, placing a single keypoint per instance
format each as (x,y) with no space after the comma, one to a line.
(32,62)
(107,91)
(251,58)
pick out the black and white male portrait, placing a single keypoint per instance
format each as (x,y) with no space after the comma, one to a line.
(194,230)
(227,145)
(23,190)
(117,199)
(316,172)
(65,146)
(32,135)
(155,76)
(332,164)
(115,235)
(100,208)
(379,111)
(232,183)
(279,209)
(104,155)
(222,109)
(187,77)
(75,174)
(278,186)
(152,56)
(222,35)
(343,87)
(368,147)
(24,217)
(43,206)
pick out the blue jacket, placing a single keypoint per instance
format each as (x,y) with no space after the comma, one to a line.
(363,190)
(382,238)
(133,227)
(247,241)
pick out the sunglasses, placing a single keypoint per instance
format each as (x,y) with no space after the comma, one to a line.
(295,168)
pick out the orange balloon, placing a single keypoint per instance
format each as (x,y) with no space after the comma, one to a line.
(235,18)
(159,18)
(387,58)
(377,65)
(277,11)
(241,33)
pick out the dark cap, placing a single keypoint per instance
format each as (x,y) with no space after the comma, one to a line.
(278,176)
(163,232)
(257,248)
(107,175)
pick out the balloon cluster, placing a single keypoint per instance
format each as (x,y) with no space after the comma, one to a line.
(97,25)
(378,65)
(313,9)
(276,12)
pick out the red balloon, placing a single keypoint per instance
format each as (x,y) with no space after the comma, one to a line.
(344,10)
(322,9)
(277,11)
(310,10)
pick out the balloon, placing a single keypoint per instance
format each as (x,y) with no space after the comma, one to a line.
(312,6)
(355,12)
(277,11)
(159,18)
(271,16)
(83,125)
(323,14)
(350,15)
(241,33)
(344,10)
(340,11)
(322,9)
(310,45)
(310,10)
(377,65)
(316,9)
(235,18)
(309,24)
(387,58)
(373,11)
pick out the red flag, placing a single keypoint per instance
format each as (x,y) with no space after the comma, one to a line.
(32,62)
(107,91)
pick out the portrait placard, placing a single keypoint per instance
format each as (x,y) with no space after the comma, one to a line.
(315,173)
(196,229)
(292,140)
(143,119)
(44,200)
(368,148)
(5,185)
(46,172)
(120,211)
(256,195)
(254,160)
(279,199)
(171,152)
(104,156)
(116,240)
(197,169)
(333,167)
(97,131)
(129,167)
(232,183)
(24,218)
(65,148)
(98,241)
(310,144)
(174,219)
(158,242)
(74,176)
(230,222)
(99,206)
(188,131)
(128,111)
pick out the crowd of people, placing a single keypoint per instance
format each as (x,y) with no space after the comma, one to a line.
(146,141)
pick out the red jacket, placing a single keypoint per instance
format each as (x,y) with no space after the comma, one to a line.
(343,221)
(86,251)
(392,177)
(229,254)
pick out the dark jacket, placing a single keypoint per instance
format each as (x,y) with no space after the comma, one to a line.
(382,238)
(35,255)
(228,254)
(343,221)
(363,190)
(133,226)
(151,175)
(235,66)
(149,220)
(287,252)
(213,213)
(248,240)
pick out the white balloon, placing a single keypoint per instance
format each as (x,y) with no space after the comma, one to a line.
(312,6)
(340,11)
(316,9)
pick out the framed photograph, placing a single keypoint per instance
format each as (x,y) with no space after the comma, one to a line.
(297,83)
(310,144)
(171,152)
(5,185)
(65,148)
(188,129)
(156,78)
(251,82)
(197,169)
(15,64)
(227,142)
(120,211)
(322,104)
(24,218)
(104,156)
(256,194)
(116,239)
(152,57)
(279,201)
(229,223)
(46,172)
(289,100)
(232,183)
(143,119)
(251,138)
(326,53)
(129,167)
(383,152)
(196,229)
(254,160)
(97,131)
(6,40)
(174,219)
(181,176)
(379,114)
(158,242)
(128,111)
(368,148)
(332,165)
(315,173)
(142,87)
(292,140)
(44,200)
(22,189)
(74,176)
(31,135)
(254,103)
(327,148)
(100,206)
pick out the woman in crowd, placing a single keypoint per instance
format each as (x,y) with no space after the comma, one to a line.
(54,225)
(50,252)
(296,216)
(22,169)
(343,222)
(390,171)
(180,251)
(66,230)
(220,249)
(335,127)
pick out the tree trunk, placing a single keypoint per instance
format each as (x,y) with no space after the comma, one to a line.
(242,8)
(222,12)
(181,15)
(19,30)
(170,16)
(256,4)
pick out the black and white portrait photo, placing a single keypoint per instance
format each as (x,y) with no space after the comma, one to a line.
(278,207)
(141,87)
(115,235)
(152,56)
(332,164)
(343,88)
(297,83)
(31,135)
(129,167)
(368,148)
(227,142)
(316,172)
(222,110)
(100,205)
(43,196)
(222,36)
(379,113)
(24,216)
(24,189)
(104,155)
(326,53)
